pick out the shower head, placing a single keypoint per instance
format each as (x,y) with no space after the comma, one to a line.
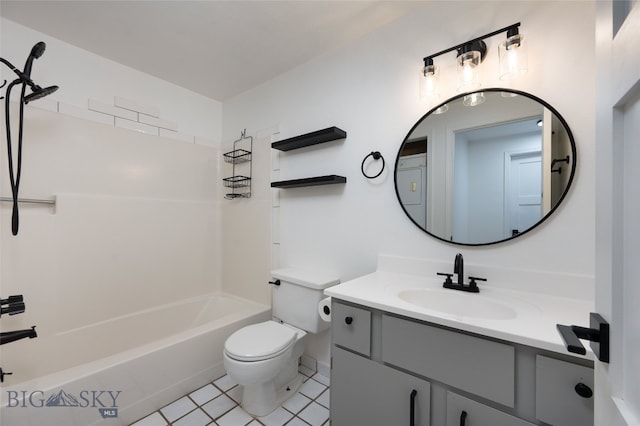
(38,49)
(36,52)
(39,92)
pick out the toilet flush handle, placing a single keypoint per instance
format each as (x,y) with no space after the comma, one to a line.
(276,282)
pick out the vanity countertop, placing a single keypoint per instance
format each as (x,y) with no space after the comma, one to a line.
(526,318)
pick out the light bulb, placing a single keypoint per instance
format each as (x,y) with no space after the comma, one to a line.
(430,77)
(513,56)
(473,99)
(441,109)
(429,74)
(468,73)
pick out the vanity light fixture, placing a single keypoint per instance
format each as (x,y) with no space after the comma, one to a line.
(470,54)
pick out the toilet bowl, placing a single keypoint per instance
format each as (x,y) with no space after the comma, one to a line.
(263,359)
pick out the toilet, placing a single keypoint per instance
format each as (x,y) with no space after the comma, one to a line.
(263,358)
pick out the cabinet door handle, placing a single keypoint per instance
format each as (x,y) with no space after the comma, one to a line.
(463,418)
(348,320)
(412,412)
(583,390)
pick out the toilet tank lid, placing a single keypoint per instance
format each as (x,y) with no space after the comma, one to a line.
(306,278)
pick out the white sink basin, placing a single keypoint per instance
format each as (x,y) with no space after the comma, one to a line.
(458,303)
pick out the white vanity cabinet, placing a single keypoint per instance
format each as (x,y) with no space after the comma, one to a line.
(379,359)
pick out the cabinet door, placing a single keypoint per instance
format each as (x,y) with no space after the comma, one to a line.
(351,328)
(364,392)
(563,392)
(465,412)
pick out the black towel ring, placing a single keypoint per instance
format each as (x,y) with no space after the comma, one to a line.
(376,156)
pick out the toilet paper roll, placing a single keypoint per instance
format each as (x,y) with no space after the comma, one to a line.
(324,309)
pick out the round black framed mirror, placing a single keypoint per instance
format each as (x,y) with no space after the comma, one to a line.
(485,167)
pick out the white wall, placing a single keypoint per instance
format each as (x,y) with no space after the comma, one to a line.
(82,75)
(370,89)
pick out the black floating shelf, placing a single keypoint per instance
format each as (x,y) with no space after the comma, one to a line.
(312,181)
(313,138)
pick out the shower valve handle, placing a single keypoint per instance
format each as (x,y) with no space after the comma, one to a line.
(12,299)
(13,309)
(2,374)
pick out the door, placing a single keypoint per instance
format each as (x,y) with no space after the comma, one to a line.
(411,184)
(524,192)
(617,390)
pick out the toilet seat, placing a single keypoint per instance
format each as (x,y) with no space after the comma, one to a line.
(258,342)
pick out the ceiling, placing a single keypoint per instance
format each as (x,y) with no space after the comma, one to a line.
(216,48)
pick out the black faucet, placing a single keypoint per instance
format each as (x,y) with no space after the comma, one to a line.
(458,269)
(12,336)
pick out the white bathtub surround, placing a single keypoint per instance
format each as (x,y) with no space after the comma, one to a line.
(123,114)
(170,134)
(48,104)
(125,118)
(109,109)
(218,402)
(157,122)
(137,126)
(109,275)
(148,370)
(136,106)
(83,113)
(133,115)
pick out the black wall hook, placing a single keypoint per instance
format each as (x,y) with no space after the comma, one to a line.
(559,160)
(376,156)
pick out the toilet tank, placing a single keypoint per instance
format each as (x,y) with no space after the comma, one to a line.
(295,300)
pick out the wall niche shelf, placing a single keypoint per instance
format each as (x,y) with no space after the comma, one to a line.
(312,181)
(313,138)
(309,139)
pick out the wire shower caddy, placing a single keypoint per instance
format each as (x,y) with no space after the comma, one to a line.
(240,159)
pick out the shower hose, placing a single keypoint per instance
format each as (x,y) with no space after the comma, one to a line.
(14,178)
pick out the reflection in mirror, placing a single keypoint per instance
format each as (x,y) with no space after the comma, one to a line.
(482,174)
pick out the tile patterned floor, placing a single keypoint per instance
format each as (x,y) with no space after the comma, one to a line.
(217,404)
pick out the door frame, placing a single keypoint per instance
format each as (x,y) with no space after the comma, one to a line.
(617,78)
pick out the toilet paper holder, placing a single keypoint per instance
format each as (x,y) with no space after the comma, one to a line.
(324,309)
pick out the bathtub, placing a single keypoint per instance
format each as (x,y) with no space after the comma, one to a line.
(114,372)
